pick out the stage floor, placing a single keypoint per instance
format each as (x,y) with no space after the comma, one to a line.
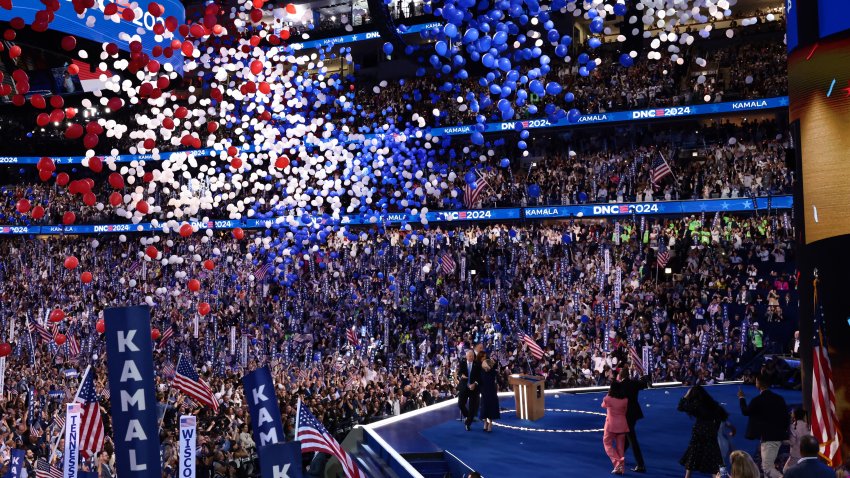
(567,441)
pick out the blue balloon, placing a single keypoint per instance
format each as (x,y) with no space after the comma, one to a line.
(584,319)
(440,47)
(626,60)
(573,115)
(477,138)
(583,58)
(553,88)
(470,178)
(553,35)
(505,162)
(583,71)
(388,48)
(450,30)
(596,26)
(569,97)
(497,327)
(594,42)
(534,190)
(620,9)
(470,35)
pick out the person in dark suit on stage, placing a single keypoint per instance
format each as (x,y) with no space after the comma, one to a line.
(489,394)
(632,387)
(767,423)
(809,466)
(468,393)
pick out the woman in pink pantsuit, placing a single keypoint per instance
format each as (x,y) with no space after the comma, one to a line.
(616,427)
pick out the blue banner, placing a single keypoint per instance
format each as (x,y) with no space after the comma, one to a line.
(657,208)
(262,403)
(466,215)
(404,30)
(131,386)
(16,464)
(623,116)
(107,31)
(282,460)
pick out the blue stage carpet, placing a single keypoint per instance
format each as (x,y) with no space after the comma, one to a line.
(663,435)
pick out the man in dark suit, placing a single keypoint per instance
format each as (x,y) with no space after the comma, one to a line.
(634,413)
(768,423)
(468,393)
(809,466)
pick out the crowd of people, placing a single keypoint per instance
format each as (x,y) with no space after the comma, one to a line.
(585,292)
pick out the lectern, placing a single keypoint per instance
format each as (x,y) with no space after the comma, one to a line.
(528,393)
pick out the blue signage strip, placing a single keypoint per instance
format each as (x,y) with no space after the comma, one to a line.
(404,30)
(466,215)
(540,123)
(623,116)
(657,208)
(262,404)
(131,386)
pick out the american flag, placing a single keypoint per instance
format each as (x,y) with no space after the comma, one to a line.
(662,257)
(105,393)
(314,437)
(41,332)
(536,350)
(44,470)
(91,429)
(167,370)
(352,382)
(447,264)
(165,337)
(351,335)
(58,422)
(824,421)
(659,170)
(187,381)
(134,267)
(636,359)
(73,346)
(471,192)
(261,271)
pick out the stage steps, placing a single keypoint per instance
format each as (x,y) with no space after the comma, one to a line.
(371,462)
(431,465)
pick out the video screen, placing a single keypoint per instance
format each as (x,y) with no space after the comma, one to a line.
(819,91)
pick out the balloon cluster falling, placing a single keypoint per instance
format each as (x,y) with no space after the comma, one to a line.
(310,160)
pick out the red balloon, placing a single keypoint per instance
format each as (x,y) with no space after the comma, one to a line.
(194,285)
(38,101)
(23,206)
(89,199)
(142,207)
(115,199)
(69,218)
(116,181)
(290,9)
(56,315)
(71,262)
(155,333)
(209,265)
(86,277)
(60,339)
(62,179)
(37,212)
(45,175)
(235,163)
(95,164)
(100,326)
(282,162)
(256,67)
(90,141)
(238,233)
(46,164)
(74,131)
(187,48)
(5,349)
(186,230)
(151,251)
(15,51)
(69,43)
(42,119)
(204,308)
(115,103)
